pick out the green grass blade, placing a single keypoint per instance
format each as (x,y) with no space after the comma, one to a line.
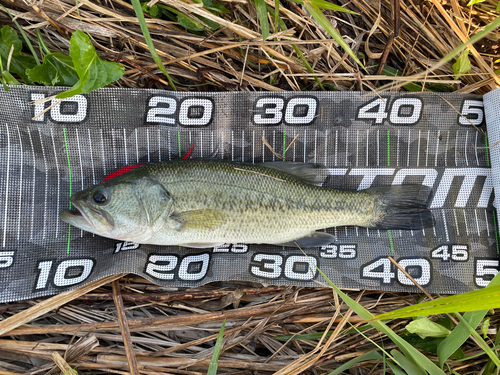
(296,48)
(306,64)
(43,47)
(458,336)
(145,32)
(410,367)
(480,340)
(410,352)
(395,369)
(260,6)
(490,366)
(212,368)
(318,335)
(370,356)
(276,13)
(488,298)
(325,23)
(322,4)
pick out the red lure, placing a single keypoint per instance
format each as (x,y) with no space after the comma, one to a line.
(122,171)
(130,167)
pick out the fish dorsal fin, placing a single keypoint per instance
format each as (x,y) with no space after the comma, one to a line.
(156,201)
(197,219)
(313,174)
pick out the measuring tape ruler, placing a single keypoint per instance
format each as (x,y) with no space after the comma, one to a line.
(364,140)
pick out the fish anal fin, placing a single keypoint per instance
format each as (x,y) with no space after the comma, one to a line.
(315,239)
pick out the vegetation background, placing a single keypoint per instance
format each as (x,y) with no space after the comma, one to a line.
(125,324)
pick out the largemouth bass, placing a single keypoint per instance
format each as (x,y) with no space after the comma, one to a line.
(208,202)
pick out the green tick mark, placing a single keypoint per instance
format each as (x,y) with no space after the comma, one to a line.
(390,239)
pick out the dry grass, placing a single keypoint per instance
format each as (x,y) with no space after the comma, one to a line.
(410,37)
(133,326)
(173,331)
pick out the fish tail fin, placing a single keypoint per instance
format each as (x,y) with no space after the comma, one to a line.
(402,207)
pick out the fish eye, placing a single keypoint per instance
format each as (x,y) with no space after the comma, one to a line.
(99,197)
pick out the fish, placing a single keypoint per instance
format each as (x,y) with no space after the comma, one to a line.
(203,203)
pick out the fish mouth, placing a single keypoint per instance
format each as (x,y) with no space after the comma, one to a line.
(76,216)
(80,217)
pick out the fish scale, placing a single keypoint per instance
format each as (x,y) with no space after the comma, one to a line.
(263,207)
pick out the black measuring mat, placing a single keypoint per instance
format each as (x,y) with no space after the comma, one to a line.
(363,140)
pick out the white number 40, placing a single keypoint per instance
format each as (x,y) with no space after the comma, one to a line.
(404,111)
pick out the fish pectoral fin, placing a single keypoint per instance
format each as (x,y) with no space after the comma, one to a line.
(197,219)
(315,239)
(201,245)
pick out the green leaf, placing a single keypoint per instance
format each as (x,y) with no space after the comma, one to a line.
(92,71)
(462,65)
(427,328)
(260,6)
(189,23)
(430,344)
(9,78)
(370,356)
(484,328)
(498,7)
(145,31)
(26,39)
(57,70)
(214,7)
(212,24)
(472,2)
(19,61)
(325,23)
(212,368)
(154,11)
